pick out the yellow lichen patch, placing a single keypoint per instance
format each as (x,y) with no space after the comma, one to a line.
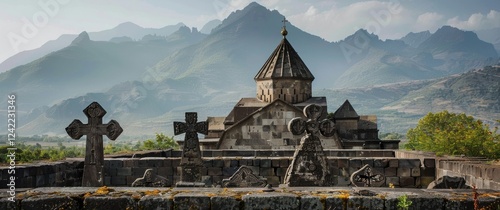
(228,192)
(495,194)
(344,195)
(87,194)
(136,196)
(382,196)
(104,190)
(152,192)
(391,185)
(238,197)
(210,194)
(322,196)
(177,192)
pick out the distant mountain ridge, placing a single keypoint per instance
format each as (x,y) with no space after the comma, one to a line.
(149,82)
(452,39)
(89,66)
(128,29)
(447,51)
(399,106)
(415,39)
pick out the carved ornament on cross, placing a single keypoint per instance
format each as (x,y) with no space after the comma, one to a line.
(312,125)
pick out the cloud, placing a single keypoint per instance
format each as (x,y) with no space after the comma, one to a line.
(477,21)
(334,22)
(428,21)
(311,11)
(225,7)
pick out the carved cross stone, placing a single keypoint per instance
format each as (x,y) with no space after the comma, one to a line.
(309,166)
(365,175)
(191,162)
(94,153)
(150,180)
(244,177)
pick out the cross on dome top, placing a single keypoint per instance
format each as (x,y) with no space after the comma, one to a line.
(284,32)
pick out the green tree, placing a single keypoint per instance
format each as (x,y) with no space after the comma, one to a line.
(454,134)
(161,142)
(391,136)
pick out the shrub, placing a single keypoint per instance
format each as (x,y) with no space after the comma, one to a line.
(454,134)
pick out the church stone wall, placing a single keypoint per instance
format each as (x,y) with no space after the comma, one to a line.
(289,90)
(268,129)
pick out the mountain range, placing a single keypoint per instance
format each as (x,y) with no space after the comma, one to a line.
(147,78)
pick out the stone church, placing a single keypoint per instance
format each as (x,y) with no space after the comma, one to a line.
(284,88)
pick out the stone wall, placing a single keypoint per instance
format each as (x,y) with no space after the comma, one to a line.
(246,198)
(399,172)
(52,174)
(271,165)
(477,173)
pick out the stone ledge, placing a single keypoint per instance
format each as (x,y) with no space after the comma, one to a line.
(245,198)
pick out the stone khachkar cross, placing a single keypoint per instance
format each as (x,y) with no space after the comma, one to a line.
(150,179)
(309,166)
(366,176)
(191,162)
(244,177)
(94,153)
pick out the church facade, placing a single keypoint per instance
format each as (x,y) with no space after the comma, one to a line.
(283,89)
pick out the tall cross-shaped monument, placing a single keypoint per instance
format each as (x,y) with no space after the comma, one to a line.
(94,153)
(191,162)
(309,166)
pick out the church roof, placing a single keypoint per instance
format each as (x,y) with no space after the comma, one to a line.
(284,62)
(346,111)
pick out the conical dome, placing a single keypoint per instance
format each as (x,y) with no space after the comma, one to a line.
(284,75)
(284,62)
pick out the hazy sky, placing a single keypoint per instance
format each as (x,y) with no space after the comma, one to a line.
(332,20)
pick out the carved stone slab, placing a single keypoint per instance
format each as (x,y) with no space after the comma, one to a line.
(309,166)
(191,162)
(94,152)
(150,180)
(244,177)
(449,182)
(364,175)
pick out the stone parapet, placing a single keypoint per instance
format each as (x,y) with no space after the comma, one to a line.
(124,171)
(262,153)
(53,174)
(476,173)
(317,198)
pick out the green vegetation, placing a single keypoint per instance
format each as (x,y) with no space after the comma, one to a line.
(161,142)
(454,134)
(403,202)
(28,153)
(390,136)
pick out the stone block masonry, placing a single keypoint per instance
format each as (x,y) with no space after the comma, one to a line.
(123,171)
(296,198)
(483,176)
(272,168)
(51,174)
(413,169)
(476,171)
